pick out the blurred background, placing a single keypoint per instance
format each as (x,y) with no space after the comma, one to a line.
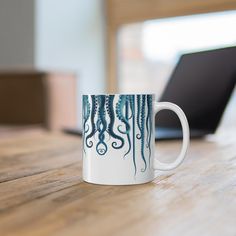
(52,52)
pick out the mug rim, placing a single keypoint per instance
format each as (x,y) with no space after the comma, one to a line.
(115,94)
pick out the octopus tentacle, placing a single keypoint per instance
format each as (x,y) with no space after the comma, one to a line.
(101,146)
(142,132)
(120,106)
(86,113)
(93,126)
(110,129)
(149,125)
(147,122)
(127,127)
(132,108)
(138,136)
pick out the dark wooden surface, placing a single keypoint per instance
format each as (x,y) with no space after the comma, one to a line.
(42,192)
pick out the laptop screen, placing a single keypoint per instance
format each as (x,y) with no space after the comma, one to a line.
(201,85)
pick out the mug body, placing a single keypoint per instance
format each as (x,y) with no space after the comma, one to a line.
(118,139)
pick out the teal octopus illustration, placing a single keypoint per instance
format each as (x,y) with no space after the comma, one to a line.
(104,120)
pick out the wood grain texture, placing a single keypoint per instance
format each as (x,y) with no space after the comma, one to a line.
(42,193)
(129,11)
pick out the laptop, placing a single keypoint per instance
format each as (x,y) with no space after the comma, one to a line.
(201,84)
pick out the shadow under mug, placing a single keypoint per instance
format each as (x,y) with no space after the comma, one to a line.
(118,138)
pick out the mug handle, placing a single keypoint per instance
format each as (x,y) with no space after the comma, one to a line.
(185,127)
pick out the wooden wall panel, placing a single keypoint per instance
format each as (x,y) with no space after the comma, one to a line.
(121,12)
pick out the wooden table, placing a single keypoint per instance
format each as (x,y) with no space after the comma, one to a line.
(42,192)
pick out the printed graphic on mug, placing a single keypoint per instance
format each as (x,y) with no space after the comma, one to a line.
(118,138)
(110,124)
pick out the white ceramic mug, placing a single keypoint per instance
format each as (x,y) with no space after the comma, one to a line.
(118,138)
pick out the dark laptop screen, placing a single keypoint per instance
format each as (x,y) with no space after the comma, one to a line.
(201,85)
